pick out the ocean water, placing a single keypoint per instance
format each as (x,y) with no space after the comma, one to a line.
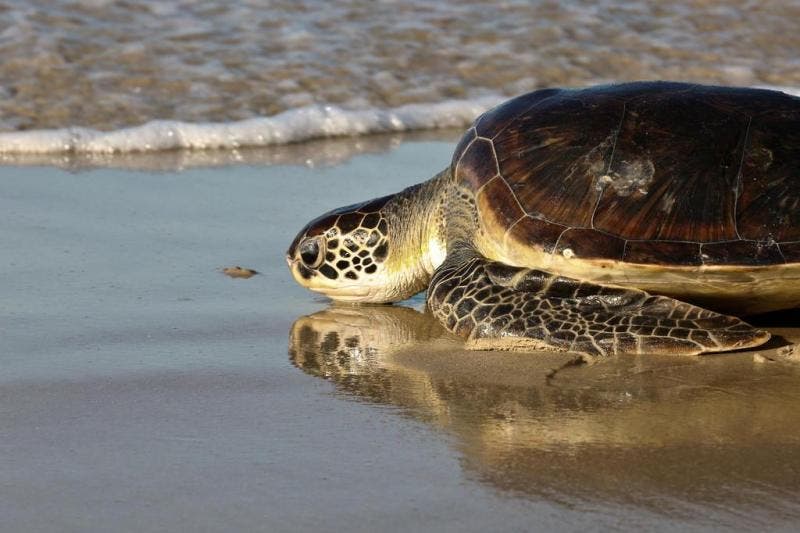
(102,76)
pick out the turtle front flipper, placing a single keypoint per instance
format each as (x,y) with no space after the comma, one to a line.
(496,306)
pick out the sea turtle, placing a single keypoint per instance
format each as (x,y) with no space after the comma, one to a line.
(612,219)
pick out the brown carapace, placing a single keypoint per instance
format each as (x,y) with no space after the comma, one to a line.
(652,173)
(614,219)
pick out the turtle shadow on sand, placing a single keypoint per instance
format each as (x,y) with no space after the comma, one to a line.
(663,433)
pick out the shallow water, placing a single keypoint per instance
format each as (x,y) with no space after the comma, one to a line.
(143,388)
(106,65)
(674,436)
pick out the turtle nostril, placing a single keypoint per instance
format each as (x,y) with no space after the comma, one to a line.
(289,261)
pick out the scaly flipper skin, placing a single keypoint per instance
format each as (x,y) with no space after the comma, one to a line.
(495,306)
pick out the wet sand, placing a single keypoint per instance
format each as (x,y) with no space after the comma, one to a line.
(144,390)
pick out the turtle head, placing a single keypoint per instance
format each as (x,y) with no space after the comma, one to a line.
(343,254)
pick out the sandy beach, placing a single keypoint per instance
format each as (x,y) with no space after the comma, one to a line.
(147,148)
(144,390)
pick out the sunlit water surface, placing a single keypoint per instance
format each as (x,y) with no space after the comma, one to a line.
(143,388)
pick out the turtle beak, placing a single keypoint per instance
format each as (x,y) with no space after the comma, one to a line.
(289,261)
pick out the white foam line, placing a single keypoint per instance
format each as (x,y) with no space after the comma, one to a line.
(295,125)
(290,126)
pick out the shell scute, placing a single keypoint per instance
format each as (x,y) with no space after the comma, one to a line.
(462,145)
(536,231)
(554,155)
(769,201)
(590,244)
(691,152)
(741,252)
(478,165)
(495,120)
(663,252)
(497,205)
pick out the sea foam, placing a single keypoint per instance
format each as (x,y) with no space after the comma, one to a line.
(295,125)
(292,126)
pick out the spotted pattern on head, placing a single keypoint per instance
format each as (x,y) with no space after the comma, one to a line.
(354,244)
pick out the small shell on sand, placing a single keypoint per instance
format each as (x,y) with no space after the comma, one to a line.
(239,272)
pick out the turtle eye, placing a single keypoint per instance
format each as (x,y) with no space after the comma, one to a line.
(311,253)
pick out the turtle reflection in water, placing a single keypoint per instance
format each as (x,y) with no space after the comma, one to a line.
(605,433)
(616,219)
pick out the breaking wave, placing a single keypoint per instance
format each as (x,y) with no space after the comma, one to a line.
(294,125)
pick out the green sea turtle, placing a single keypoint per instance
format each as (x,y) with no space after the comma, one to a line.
(614,219)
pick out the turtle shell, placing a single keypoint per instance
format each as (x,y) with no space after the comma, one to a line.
(652,173)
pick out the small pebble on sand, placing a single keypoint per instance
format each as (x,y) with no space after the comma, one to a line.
(239,272)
